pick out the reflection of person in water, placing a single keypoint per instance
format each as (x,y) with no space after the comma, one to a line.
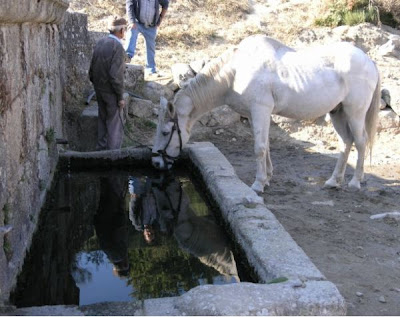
(144,211)
(110,223)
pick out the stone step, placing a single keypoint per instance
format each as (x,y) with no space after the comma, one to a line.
(98,309)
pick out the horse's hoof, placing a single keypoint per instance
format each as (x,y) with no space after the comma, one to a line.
(330,183)
(354,185)
(258,188)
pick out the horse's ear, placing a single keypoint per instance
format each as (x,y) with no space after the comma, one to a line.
(171,109)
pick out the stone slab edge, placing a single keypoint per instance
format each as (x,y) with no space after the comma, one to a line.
(124,156)
(54,310)
(44,11)
(317,298)
(270,250)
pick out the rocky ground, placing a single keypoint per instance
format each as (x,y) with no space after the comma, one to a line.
(336,228)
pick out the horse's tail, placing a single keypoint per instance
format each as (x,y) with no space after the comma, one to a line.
(371,119)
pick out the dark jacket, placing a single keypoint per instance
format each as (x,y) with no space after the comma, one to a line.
(107,68)
(133,10)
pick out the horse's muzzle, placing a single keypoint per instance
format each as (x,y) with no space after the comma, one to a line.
(161,163)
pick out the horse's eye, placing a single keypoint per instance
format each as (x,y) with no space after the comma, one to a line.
(165,133)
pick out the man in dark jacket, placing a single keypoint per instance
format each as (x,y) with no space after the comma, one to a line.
(106,72)
(144,17)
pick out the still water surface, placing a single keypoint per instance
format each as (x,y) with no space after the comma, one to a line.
(123,235)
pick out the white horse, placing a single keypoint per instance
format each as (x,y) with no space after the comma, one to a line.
(263,77)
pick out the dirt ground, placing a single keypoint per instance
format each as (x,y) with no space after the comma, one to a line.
(359,255)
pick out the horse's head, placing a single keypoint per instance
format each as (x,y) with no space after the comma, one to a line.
(169,138)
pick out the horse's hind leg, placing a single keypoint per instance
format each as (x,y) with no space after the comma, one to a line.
(342,128)
(360,141)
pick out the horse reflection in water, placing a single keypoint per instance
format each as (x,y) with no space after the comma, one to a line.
(162,205)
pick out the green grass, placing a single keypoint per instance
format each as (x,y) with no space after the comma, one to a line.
(6,212)
(359,16)
(339,13)
(42,185)
(7,248)
(334,15)
(50,136)
(147,123)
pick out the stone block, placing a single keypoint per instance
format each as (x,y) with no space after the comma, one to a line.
(133,76)
(221,116)
(153,91)
(44,11)
(246,299)
(388,120)
(393,86)
(76,51)
(391,47)
(87,129)
(140,107)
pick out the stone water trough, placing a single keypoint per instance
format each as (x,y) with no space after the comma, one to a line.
(289,283)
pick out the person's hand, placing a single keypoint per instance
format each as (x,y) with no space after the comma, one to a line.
(161,17)
(121,104)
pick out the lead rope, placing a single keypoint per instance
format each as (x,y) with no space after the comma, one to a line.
(126,131)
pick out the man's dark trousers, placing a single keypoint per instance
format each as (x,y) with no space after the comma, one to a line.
(110,119)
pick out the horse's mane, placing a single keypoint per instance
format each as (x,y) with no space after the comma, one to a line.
(215,77)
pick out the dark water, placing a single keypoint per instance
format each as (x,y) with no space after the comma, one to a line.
(123,235)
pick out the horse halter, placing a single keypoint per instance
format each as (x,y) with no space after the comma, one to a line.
(163,153)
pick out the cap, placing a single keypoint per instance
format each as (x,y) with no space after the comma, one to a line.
(116,21)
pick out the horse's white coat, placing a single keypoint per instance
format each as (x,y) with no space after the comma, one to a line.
(263,77)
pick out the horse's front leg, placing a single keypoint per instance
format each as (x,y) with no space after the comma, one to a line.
(261,119)
(270,168)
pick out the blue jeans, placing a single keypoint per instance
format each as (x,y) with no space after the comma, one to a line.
(150,38)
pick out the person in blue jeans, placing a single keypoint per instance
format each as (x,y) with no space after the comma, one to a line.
(144,17)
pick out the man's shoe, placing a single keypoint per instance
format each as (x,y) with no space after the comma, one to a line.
(152,75)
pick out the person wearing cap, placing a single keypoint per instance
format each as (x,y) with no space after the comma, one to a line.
(107,70)
(144,17)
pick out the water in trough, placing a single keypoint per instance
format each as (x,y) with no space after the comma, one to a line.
(121,235)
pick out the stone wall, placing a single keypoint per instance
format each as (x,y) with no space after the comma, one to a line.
(76,52)
(31,111)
